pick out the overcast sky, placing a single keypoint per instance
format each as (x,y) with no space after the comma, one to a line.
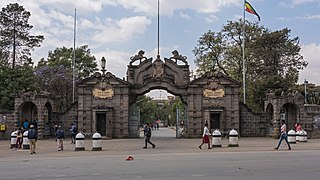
(118,29)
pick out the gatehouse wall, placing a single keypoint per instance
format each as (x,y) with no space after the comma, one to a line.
(253,124)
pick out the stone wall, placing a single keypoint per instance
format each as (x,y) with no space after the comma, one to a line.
(252,124)
(7,118)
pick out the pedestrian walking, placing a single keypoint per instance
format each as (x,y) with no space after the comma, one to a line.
(32,136)
(60,137)
(147,136)
(73,131)
(205,137)
(283,136)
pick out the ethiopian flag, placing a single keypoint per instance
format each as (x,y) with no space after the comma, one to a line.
(250,9)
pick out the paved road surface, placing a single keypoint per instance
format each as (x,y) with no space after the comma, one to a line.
(172,159)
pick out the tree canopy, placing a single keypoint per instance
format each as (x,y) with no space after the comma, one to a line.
(15,39)
(272,58)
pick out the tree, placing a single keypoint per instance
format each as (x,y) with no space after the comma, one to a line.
(273,59)
(85,62)
(209,52)
(24,81)
(15,39)
(148,109)
(55,75)
(56,80)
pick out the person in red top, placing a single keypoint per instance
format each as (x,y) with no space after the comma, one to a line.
(283,136)
(298,127)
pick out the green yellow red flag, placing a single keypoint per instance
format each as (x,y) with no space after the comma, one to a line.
(250,9)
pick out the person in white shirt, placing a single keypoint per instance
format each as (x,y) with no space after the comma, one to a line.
(205,136)
(283,136)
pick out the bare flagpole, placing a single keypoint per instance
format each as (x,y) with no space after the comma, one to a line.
(243,57)
(158,55)
(74,56)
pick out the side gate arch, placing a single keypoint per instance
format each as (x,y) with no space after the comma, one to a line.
(289,107)
(36,109)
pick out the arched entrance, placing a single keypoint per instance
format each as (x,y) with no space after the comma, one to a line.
(28,112)
(36,109)
(270,120)
(290,113)
(47,120)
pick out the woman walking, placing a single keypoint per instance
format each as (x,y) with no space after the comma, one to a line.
(205,136)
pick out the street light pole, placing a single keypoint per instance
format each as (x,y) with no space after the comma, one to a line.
(305,91)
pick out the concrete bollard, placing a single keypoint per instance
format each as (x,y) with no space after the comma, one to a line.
(304,137)
(298,136)
(292,137)
(25,141)
(233,138)
(96,142)
(216,138)
(79,142)
(13,139)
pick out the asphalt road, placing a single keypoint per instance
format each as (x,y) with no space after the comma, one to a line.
(172,159)
(284,165)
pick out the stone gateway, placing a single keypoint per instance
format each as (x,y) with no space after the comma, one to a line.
(105,103)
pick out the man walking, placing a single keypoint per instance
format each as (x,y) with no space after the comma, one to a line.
(283,135)
(147,136)
(60,137)
(32,136)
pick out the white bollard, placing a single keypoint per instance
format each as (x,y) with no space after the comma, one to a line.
(216,138)
(298,136)
(233,138)
(79,142)
(25,141)
(304,137)
(96,142)
(13,139)
(292,137)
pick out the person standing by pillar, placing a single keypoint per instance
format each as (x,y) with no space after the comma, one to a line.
(32,136)
(283,135)
(60,137)
(205,136)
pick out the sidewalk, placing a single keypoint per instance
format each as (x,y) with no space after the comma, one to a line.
(165,145)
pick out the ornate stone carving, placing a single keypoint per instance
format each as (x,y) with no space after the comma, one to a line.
(158,69)
(176,56)
(140,56)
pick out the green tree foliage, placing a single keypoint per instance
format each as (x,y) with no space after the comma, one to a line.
(16,44)
(148,109)
(85,62)
(15,38)
(55,74)
(15,81)
(272,58)
(56,80)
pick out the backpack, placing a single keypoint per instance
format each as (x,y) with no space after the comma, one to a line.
(74,129)
(148,132)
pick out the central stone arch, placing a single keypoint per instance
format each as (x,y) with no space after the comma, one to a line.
(212,98)
(106,102)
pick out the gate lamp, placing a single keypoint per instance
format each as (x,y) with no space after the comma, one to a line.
(103,65)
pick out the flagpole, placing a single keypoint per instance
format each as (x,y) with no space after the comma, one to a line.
(158,55)
(243,57)
(74,57)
